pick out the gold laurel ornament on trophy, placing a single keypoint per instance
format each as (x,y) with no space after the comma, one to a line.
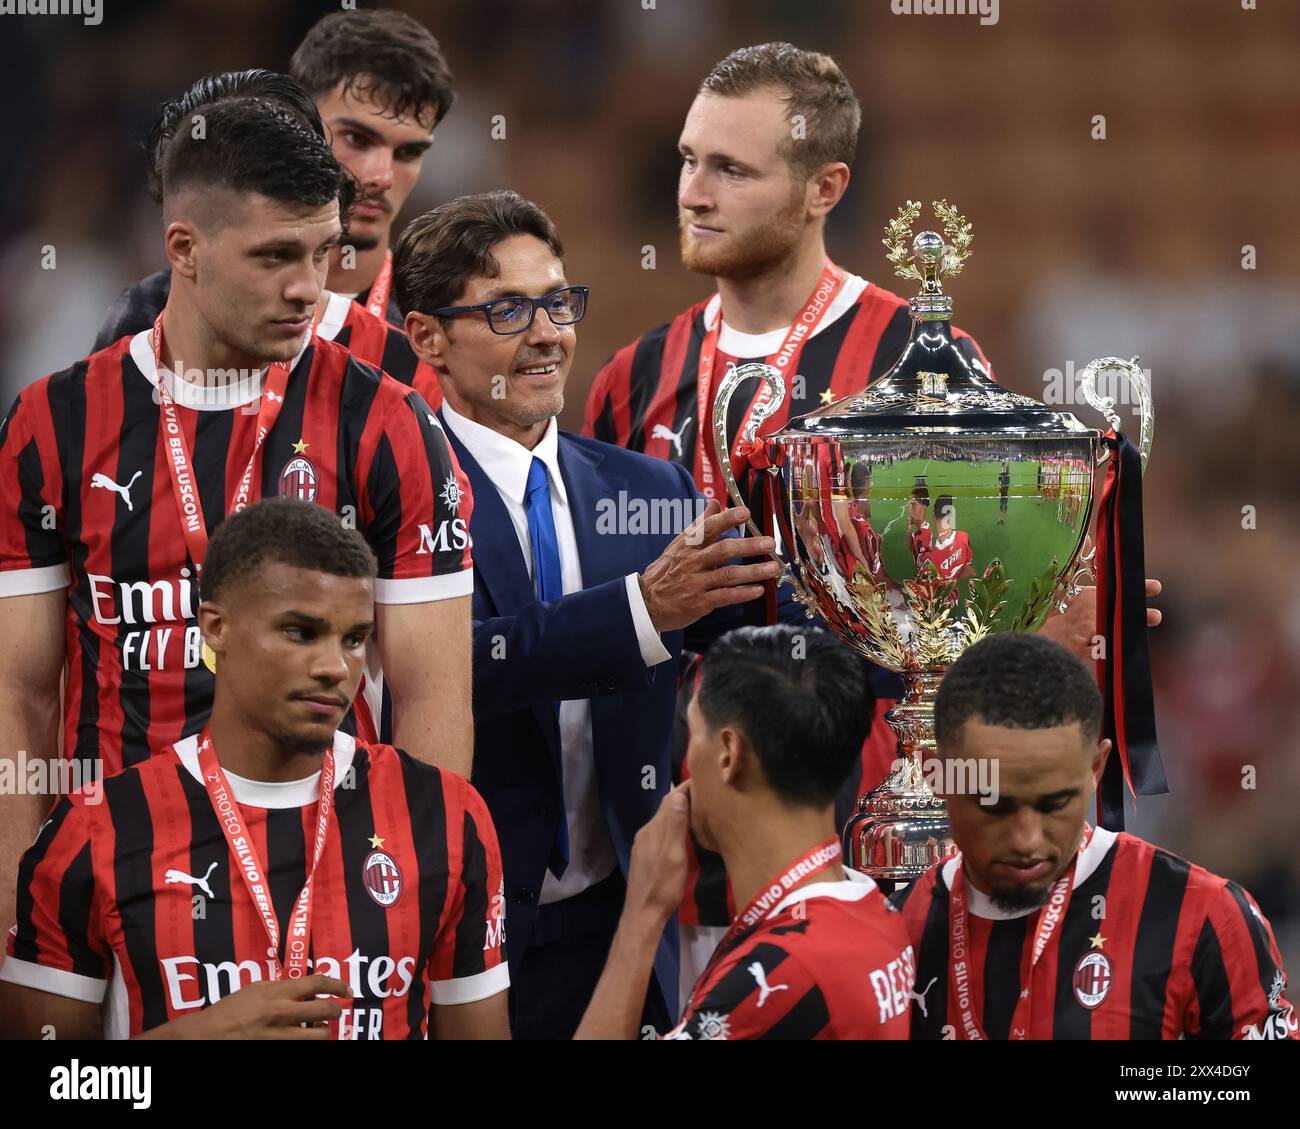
(921,514)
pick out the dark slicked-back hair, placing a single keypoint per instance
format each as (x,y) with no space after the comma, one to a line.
(282,531)
(802,700)
(1018,681)
(815,92)
(256,83)
(441,251)
(388,57)
(255,145)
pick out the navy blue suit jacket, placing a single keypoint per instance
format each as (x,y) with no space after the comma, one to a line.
(529,654)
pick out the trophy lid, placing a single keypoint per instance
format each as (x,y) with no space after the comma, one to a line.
(935,387)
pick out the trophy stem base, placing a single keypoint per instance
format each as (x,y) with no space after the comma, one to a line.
(900,829)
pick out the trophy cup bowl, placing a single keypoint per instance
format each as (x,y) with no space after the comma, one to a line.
(921,514)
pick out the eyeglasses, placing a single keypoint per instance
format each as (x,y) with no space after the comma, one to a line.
(515,314)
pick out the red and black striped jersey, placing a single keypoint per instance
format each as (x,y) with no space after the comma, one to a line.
(378,343)
(708,900)
(646,396)
(1150,947)
(129,898)
(830,961)
(87,505)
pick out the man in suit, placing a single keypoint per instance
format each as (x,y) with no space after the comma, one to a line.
(592,561)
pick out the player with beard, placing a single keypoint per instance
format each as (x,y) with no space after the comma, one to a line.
(381,84)
(383,873)
(1043,927)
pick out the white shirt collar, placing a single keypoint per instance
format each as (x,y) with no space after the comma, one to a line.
(273,794)
(336,313)
(203,397)
(981,905)
(505,462)
(853,888)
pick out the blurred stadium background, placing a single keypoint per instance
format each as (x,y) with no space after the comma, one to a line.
(1132,244)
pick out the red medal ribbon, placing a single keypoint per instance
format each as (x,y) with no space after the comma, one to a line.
(377,300)
(249,863)
(181,463)
(815,861)
(961,973)
(785,359)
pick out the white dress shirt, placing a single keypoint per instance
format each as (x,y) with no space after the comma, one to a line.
(506,463)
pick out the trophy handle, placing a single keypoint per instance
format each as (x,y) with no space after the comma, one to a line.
(1106,405)
(721,445)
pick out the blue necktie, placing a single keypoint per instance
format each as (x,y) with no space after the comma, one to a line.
(549,584)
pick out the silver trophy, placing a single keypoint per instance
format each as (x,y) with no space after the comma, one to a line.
(921,514)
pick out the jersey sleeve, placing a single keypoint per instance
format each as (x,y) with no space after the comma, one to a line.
(598,419)
(1239,984)
(469,958)
(416,507)
(765,994)
(33,555)
(58,945)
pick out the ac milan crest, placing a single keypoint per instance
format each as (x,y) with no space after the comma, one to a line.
(298,480)
(1092,977)
(382,878)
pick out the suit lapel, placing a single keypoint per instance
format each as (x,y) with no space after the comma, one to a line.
(587,483)
(497,558)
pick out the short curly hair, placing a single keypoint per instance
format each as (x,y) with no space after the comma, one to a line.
(1016,680)
(282,531)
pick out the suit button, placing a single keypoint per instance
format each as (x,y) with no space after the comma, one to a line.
(524,897)
(610,684)
(544,810)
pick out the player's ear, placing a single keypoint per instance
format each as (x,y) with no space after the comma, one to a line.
(212,625)
(179,243)
(428,339)
(1099,761)
(827,187)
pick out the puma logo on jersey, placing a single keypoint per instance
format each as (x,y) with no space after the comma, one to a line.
(919,997)
(764,988)
(180,876)
(661,431)
(106,483)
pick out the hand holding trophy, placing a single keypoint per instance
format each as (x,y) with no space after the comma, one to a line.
(921,514)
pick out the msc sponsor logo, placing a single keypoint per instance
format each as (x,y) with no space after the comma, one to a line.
(452,535)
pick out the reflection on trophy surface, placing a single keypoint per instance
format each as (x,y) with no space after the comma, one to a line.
(921,514)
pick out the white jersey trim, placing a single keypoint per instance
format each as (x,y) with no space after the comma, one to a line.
(56,981)
(273,794)
(425,589)
(981,905)
(470,989)
(854,888)
(737,344)
(34,581)
(203,397)
(336,313)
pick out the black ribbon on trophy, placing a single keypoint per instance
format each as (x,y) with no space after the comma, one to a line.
(1124,670)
